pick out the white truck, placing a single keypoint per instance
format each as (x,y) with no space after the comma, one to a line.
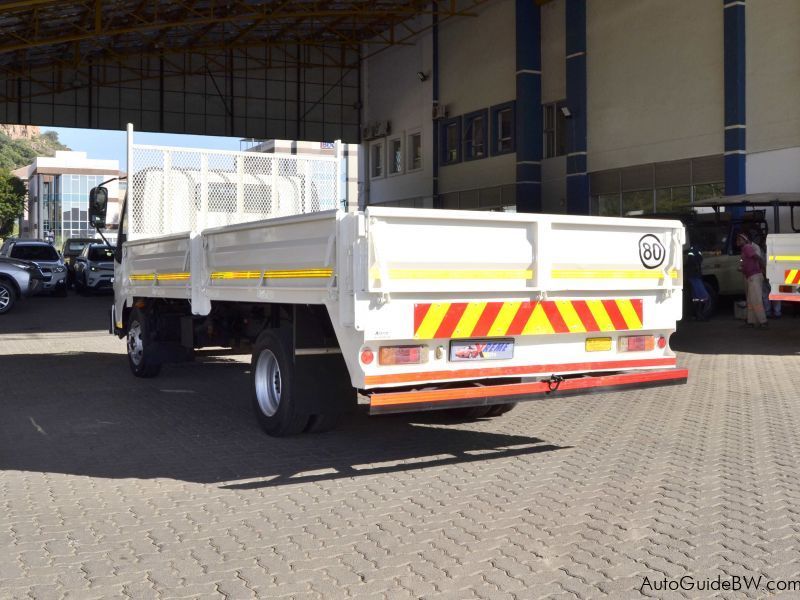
(398,309)
(783,266)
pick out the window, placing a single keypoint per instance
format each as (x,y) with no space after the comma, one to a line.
(475,129)
(34,252)
(395,156)
(99,253)
(635,203)
(555,130)
(414,151)
(376,160)
(606,205)
(503,124)
(708,190)
(451,141)
(674,199)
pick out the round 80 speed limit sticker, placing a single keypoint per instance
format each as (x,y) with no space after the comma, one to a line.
(651,251)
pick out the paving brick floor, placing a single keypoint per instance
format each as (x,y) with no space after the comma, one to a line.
(112,486)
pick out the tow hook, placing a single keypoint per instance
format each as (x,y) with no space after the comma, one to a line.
(553,383)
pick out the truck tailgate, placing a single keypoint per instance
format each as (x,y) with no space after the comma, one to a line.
(462,251)
(783,266)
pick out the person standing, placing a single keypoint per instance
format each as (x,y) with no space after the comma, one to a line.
(693,271)
(772,308)
(754,282)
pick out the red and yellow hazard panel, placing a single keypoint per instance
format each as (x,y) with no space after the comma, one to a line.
(498,319)
(792,276)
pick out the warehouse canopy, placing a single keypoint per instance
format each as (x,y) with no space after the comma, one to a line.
(247,68)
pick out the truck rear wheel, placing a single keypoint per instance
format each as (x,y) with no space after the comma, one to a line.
(272,374)
(142,348)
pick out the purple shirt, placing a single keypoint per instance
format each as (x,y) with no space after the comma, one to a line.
(750,263)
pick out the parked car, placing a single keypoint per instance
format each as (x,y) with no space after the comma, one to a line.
(70,251)
(46,258)
(18,278)
(94,268)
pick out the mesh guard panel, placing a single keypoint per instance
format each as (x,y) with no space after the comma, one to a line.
(181,190)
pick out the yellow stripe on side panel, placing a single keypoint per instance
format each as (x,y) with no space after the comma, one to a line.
(143,277)
(600,315)
(236,275)
(457,274)
(629,314)
(538,322)
(283,274)
(503,319)
(782,258)
(610,274)
(571,318)
(432,320)
(299,274)
(467,322)
(173,276)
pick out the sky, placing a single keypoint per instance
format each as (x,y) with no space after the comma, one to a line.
(101,143)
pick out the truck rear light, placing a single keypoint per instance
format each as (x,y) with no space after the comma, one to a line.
(367,356)
(662,342)
(636,343)
(402,355)
(786,289)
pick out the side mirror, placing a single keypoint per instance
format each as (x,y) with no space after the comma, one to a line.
(98,205)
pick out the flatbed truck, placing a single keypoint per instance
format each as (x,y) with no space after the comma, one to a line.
(395,309)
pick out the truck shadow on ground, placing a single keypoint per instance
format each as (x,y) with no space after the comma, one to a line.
(83,413)
(723,334)
(46,314)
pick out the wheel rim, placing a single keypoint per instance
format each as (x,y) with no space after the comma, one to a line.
(5,298)
(268,383)
(135,346)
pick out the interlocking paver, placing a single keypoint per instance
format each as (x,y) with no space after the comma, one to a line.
(116,487)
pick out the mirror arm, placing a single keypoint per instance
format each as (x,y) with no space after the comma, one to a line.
(102,236)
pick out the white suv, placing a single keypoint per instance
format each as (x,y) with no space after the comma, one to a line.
(46,258)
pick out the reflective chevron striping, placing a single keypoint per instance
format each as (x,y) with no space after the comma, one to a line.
(442,320)
(792,276)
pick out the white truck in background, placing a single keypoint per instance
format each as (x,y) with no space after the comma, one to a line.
(398,309)
(783,266)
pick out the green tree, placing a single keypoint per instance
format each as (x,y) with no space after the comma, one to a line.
(12,201)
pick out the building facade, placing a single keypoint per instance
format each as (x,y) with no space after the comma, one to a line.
(58,195)
(608,107)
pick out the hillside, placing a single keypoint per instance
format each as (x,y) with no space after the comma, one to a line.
(19,145)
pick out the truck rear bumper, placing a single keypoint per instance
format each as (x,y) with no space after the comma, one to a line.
(381,402)
(785,297)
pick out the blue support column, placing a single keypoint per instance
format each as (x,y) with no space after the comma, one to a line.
(735,113)
(529,107)
(577,178)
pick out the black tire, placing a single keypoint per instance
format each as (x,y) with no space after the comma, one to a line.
(500,409)
(8,297)
(322,423)
(710,307)
(143,355)
(272,383)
